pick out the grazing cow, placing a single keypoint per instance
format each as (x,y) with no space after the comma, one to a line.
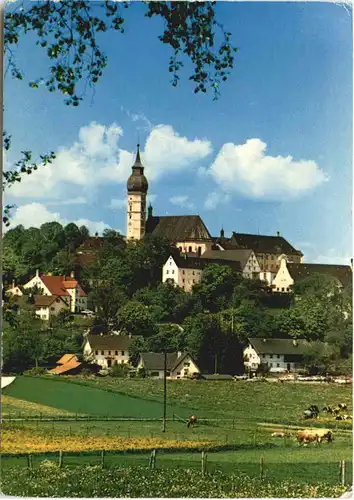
(307,436)
(314,436)
(327,409)
(325,434)
(192,420)
(344,417)
(311,412)
(342,406)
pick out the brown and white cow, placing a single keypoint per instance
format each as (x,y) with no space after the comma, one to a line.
(314,436)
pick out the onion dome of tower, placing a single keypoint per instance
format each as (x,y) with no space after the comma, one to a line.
(137,182)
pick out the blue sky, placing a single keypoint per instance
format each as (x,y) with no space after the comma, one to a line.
(272,154)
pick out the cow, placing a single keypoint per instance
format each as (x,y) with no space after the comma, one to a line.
(192,420)
(311,412)
(307,436)
(280,434)
(327,409)
(324,434)
(342,406)
(314,436)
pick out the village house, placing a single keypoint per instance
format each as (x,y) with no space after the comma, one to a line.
(68,289)
(281,355)
(268,249)
(106,350)
(247,259)
(289,273)
(186,271)
(178,365)
(47,306)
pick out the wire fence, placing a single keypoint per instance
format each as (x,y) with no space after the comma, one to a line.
(335,472)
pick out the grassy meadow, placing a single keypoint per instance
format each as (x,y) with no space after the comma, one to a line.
(236,420)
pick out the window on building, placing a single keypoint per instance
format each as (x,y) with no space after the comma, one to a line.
(168,374)
(183,281)
(193,273)
(278,356)
(180,249)
(278,364)
(167,272)
(116,353)
(123,353)
(109,362)
(186,364)
(271,365)
(178,373)
(52,308)
(270,355)
(193,281)
(58,300)
(102,352)
(282,289)
(154,374)
(173,271)
(96,352)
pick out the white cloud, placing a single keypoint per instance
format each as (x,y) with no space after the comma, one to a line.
(36,214)
(165,152)
(182,201)
(247,169)
(97,159)
(216,198)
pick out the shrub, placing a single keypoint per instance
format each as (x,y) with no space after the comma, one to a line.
(32,372)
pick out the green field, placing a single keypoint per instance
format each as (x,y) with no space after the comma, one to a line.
(86,400)
(238,415)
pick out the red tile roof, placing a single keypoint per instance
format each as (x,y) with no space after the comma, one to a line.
(66,358)
(70,365)
(55,284)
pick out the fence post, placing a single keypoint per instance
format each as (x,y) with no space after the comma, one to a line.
(261,468)
(60,458)
(29,461)
(343,473)
(153,459)
(102,458)
(204,461)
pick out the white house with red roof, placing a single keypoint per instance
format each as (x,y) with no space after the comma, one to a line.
(68,289)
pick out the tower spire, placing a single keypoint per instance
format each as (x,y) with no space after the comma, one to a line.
(137,159)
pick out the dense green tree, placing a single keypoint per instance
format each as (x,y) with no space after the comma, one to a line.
(136,319)
(216,287)
(13,265)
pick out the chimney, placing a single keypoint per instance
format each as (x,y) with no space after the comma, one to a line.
(96,235)
(222,233)
(278,233)
(37,272)
(13,283)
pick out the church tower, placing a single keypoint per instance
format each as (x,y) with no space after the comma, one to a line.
(137,187)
